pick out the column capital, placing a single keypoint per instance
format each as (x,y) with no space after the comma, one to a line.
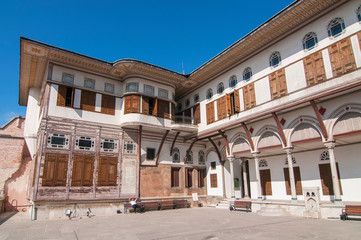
(255,154)
(330,144)
(231,158)
(288,150)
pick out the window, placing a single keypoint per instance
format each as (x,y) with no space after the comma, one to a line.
(150,153)
(220,88)
(189,177)
(232,81)
(263,163)
(65,96)
(209,93)
(196,98)
(162,93)
(89,83)
(309,41)
(107,171)
(336,27)
(109,88)
(325,156)
(275,59)
(201,176)
(213,165)
(247,74)
(176,156)
(293,161)
(175,177)
(84,143)
(68,78)
(129,147)
(55,170)
(358,12)
(132,87)
(179,107)
(188,102)
(56,140)
(213,180)
(190,158)
(108,145)
(148,90)
(201,160)
(83,167)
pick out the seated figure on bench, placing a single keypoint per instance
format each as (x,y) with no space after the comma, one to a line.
(133,202)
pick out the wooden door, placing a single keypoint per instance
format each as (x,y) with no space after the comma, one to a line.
(297,174)
(266,183)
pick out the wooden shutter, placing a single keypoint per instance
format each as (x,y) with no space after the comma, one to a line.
(297,174)
(278,85)
(173,109)
(107,171)
(145,105)
(163,109)
(341,57)
(326,178)
(213,180)
(228,105)
(155,109)
(266,183)
(210,112)
(127,104)
(87,101)
(314,69)
(61,96)
(175,177)
(249,96)
(132,104)
(237,104)
(201,175)
(188,175)
(222,108)
(108,104)
(197,114)
(55,170)
(83,166)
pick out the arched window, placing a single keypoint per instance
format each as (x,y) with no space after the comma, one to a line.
(309,40)
(232,81)
(263,163)
(358,12)
(201,160)
(188,102)
(220,88)
(325,156)
(275,59)
(247,74)
(176,155)
(293,161)
(336,27)
(190,158)
(209,93)
(196,98)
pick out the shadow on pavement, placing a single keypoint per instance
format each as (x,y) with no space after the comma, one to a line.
(6,216)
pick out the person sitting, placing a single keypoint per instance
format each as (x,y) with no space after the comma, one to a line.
(133,202)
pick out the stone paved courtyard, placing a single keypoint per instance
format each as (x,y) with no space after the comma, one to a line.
(195,223)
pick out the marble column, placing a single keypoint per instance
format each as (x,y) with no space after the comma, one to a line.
(335,180)
(291,173)
(245,181)
(258,176)
(231,169)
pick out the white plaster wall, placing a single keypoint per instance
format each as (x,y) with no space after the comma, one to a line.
(32,121)
(295,77)
(212,157)
(262,90)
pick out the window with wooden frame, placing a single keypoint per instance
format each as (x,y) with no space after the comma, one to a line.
(197,114)
(108,104)
(83,167)
(342,57)
(149,106)
(266,183)
(87,101)
(201,177)
(107,171)
(131,104)
(221,108)
(65,96)
(108,145)
(163,109)
(55,170)
(210,112)
(175,177)
(278,85)
(249,96)
(326,179)
(314,69)
(213,179)
(233,103)
(150,154)
(297,174)
(188,177)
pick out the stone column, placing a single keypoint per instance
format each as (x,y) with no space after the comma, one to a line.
(231,161)
(335,180)
(258,176)
(245,181)
(291,174)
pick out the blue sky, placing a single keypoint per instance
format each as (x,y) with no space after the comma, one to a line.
(164,33)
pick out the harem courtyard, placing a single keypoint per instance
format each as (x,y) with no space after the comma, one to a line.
(194,223)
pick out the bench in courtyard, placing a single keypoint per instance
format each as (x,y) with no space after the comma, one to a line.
(241,205)
(354,210)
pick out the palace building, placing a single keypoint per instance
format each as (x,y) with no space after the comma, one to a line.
(275,118)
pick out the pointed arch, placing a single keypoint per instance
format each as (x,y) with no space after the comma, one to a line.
(239,136)
(300,121)
(209,151)
(268,129)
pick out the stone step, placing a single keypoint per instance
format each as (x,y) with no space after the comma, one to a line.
(273,211)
